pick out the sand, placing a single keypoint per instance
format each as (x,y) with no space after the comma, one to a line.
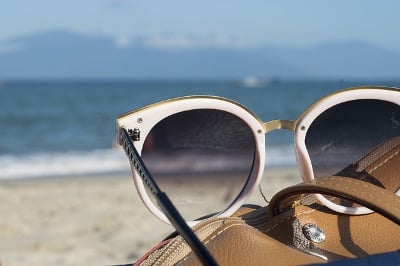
(87,221)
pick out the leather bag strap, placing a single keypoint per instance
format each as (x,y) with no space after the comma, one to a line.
(373,197)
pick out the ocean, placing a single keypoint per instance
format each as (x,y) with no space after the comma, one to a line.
(66,128)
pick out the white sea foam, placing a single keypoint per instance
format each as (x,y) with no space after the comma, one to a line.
(63,164)
(97,162)
(282,155)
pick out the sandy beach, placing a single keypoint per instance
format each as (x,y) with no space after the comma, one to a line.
(87,221)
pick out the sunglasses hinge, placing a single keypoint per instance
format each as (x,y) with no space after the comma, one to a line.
(134,134)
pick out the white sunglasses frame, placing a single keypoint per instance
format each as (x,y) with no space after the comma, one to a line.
(147,117)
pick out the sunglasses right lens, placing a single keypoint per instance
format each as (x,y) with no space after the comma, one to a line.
(359,139)
(201,158)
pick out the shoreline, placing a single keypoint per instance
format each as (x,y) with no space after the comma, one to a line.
(88,220)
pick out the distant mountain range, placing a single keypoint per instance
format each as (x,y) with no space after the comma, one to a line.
(69,55)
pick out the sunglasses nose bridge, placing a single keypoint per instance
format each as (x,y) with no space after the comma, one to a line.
(279,124)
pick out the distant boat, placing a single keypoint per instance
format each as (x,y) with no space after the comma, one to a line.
(253,82)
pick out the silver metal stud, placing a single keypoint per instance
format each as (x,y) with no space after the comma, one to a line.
(314,233)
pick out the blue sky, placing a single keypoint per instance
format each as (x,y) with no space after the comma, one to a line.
(254,22)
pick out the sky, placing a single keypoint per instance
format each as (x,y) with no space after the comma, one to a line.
(253,22)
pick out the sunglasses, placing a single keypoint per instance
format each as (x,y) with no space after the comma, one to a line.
(195,144)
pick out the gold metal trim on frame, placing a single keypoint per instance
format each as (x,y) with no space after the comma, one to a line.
(317,102)
(279,124)
(190,97)
(269,125)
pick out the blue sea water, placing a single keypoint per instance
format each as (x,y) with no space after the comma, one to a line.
(66,128)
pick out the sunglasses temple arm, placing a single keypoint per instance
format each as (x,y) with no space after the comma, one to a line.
(164,202)
(184,230)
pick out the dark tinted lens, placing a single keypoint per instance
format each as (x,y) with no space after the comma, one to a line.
(200,158)
(359,139)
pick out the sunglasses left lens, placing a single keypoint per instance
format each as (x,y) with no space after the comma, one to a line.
(201,158)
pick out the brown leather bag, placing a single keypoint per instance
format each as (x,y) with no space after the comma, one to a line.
(295,229)
(292,232)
